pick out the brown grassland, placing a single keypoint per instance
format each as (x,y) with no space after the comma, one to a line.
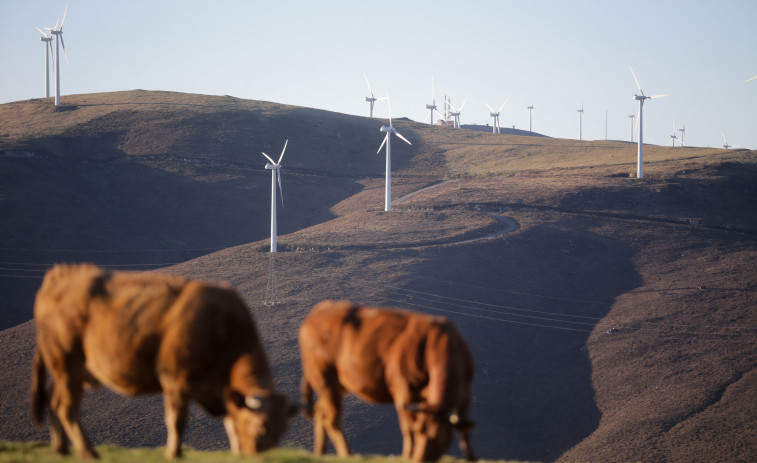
(615,322)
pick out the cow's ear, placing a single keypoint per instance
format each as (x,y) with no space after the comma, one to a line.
(237,399)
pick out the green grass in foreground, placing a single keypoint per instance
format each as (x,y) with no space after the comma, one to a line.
(42,452)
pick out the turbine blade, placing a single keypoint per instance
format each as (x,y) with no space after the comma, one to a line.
(382,143)
(403,138)
(65,54)
(278,180)
(56,25)
(636,80)
(369,85)
(64,17)
(42,32)
(750,79)
(269,158)
(723,135)
(440,114)
(490,108)
(425,119)
(389,107)
(52,53)
(503,105)
(461,106)
(282,152)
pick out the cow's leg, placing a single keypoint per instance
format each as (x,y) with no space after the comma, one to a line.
(65,404)
(406,428)
(228,423)
(328,412)
(465,429)
(465,444)
(176,401)
(58,438)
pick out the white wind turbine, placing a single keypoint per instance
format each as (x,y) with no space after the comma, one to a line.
(495,115)
(683,132)
(725,142)
(47,39)
(371,99)
(432,107)
(275,168)
(580,122)
(530,114)
(58,33)
(673,137)
(640,99)
(455,113)
(388,141)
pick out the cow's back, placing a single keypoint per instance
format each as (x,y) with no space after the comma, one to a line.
(131,325)
(369,348)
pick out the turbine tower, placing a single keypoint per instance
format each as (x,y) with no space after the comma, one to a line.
(388,141)
(58,33)
(683,132)
(275,168)
(580,122)
(47,39)
(495,115)
(455,113)
(640,99)
(632,117)
(371,99)
(530,113)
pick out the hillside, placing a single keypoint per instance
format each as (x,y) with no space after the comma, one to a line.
(615,322)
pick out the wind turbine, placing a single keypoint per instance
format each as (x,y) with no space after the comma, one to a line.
(640,99)
(47,39)
(495,114)
(580,122)
(371,99)
(632,117)
(275,168)
(725,142)
(432,107)
(683,132)
(388,141)
(673,137)
(58,33)
(530,113)
(456,113)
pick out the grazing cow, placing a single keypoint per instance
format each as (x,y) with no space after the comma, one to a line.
(140,333)
(419,363)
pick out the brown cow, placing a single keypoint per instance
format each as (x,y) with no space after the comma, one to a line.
(140,333)
(418,362)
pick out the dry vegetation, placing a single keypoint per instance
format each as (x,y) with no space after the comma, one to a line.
(616,323)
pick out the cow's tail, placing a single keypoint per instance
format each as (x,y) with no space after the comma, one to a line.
(38,392)
(306,397)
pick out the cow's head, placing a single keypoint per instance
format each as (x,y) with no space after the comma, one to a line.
(255,423)
(432,431)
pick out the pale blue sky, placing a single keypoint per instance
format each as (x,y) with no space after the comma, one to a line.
(557,55)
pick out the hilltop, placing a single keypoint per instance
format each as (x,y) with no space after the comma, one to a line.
(614,322)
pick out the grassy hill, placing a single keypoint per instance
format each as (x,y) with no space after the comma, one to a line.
(615,323)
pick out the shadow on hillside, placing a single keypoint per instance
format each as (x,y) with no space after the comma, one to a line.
(135,215)
(526,305)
